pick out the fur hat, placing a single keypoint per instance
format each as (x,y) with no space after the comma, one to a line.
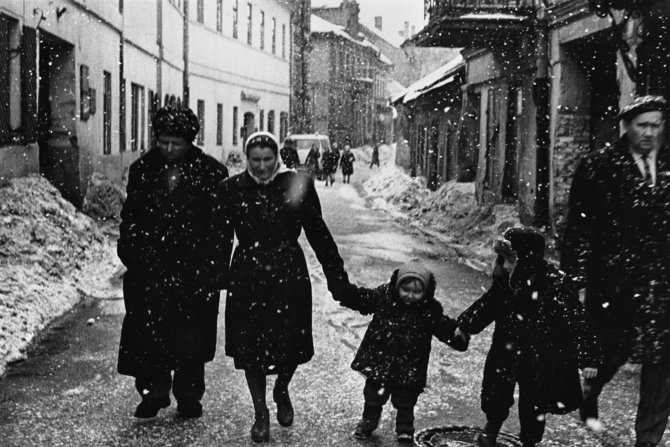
(176,121)
(643,104)
(414,269)
(264,139)
(525,244)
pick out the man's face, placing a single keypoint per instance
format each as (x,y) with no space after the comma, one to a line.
(645,132)
(172,148)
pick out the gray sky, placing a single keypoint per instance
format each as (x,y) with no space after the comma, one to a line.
(394,13)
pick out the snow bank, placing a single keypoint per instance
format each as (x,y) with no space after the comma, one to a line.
(451,211)
(50,254)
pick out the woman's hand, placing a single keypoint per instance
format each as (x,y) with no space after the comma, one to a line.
(589,373)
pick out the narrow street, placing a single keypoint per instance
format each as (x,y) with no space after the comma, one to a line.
(68,392)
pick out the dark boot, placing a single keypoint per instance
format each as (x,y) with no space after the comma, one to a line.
(490,435)
(260,431)
(284,407)
(365,428)
(149,407)
(189,408)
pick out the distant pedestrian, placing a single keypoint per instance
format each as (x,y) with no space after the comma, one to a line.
(289,154)
(395,350)
(347,164)
(617,249)
(375,156)
(171,301)
(269,299)
(329,165)
(541,339)
(312,161)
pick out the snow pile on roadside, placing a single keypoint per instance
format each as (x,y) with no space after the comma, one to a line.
(49,255)
(452,211)
(104,199)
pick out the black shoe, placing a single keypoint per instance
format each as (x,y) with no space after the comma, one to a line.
(189,408)
(405,437)
(365,428)
(485,441)
(284,407)
(644,444)
(149,408)
(260,431)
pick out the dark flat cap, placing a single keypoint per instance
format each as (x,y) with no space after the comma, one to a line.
(643,104)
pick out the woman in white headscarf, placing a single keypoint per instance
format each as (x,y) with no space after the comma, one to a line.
(269,301)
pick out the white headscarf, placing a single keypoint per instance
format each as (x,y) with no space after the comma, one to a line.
(279,168)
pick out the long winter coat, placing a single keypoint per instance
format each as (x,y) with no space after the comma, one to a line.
(617,244)
(329,162)
(541,333)
(269,301)
(347,163)
(312,161)
(171,305)
(290,157)
(396,346)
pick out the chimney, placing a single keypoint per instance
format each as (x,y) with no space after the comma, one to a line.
(413,31)
(407,30)
(378,22)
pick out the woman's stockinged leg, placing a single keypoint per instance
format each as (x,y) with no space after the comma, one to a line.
(282,398)
(256,384)
(284,378)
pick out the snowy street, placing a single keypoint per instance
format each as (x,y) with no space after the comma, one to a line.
(68,392)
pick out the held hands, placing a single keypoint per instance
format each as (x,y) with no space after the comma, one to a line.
(460,340)
(589,373)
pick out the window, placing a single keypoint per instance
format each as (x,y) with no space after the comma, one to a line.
(9,78)
(261,118)
(201,11)
(283,125)
(107,113)
(120,6)
(283,41)
(201,118)
(219,124)
(235,134)
(262,24)
(122,115)
(137,117)
(219,15)
(274,36)
(250,10)
(271,121)
(151,109)
(235,17)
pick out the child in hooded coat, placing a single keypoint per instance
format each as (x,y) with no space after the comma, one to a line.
(394,353)
(541,339)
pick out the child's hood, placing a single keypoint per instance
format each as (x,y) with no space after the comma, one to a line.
(430,287)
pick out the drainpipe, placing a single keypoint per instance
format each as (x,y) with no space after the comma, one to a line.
(541,89)
(186,89)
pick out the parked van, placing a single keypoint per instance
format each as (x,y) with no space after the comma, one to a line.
(304,142)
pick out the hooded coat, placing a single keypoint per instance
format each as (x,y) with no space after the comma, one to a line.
(541,333)
(396,347)
(171,304)
(269,300)
(617,245)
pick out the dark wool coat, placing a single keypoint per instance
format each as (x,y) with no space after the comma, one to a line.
(347,163)
(396,346)
(269,300)
(290,157)
(617,244)
(171,305)
(541,335)
(312,160)
(329,162)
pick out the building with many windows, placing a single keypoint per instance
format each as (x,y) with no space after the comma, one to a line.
(80,80)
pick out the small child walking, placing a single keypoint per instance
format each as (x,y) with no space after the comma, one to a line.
(541,339)
(394,353)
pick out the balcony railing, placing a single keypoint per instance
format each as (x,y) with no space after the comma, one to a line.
(455,8)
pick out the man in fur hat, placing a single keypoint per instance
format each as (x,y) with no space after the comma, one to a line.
(170,295)
(617,248)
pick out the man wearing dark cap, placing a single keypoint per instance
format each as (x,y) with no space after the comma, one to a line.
(170,293)
(617,248)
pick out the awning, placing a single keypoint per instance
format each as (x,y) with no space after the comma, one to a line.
(444,75)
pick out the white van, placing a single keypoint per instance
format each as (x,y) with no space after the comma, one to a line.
(303,143)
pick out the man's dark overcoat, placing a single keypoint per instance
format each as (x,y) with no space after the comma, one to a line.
(269,299)
(617,245)
(169,292)
(541,336)
(396,347)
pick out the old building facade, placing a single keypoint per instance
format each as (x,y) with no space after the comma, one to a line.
(544,83)
(81,80)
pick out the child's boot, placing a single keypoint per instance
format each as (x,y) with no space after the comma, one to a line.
(365,428)
(490,435)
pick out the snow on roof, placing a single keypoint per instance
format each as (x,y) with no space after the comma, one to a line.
(497,16)
(320,25)
(316,4)
(379,34)
(440,77)
(393,88)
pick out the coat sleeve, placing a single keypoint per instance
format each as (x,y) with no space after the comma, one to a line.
(584,340)
(215,268)
(322,241)
(483,311)
(223,235)
(132,239)
(364,300)
(581,225)
(443,327)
